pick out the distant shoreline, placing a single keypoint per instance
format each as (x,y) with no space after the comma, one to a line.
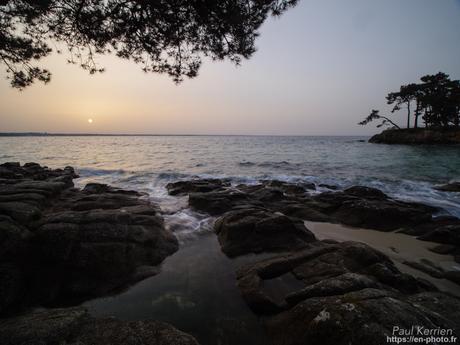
(418,136)
(44,134)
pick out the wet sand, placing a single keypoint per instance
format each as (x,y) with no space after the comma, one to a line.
(399,247)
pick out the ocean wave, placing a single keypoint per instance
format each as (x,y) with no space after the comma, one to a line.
(281,164)
(187,224)
(154,184)
(170,175)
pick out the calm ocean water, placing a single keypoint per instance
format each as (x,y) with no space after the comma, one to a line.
(148,163)
(196,290)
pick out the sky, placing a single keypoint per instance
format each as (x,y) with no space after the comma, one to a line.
(319,70)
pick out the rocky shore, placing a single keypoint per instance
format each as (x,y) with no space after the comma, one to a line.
(61,245)
(418,136)
(324,292)
(272,209)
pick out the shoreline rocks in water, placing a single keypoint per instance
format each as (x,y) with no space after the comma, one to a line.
(241,208)
(323,292)
(418,136)
(356,206)
(61,245)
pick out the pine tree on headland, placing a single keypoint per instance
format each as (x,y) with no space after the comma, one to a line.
(405,96)
(163,36)
(436,98)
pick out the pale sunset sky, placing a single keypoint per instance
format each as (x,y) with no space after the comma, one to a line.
(319,69)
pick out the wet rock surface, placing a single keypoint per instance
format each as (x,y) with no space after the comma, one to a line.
(357,206)
(75,326)
(59,243)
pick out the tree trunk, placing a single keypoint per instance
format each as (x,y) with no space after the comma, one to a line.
(408,114)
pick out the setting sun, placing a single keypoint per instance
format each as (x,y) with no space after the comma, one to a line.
(90,120)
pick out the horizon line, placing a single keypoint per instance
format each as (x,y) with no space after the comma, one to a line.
(47,134)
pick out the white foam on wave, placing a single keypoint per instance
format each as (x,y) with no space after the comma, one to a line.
(187,224)
(177,212)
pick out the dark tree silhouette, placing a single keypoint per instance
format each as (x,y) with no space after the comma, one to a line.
(164,36)
(405,96)
(437,100)
(374,115)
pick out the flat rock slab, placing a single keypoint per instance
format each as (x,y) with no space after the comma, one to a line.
(74,326)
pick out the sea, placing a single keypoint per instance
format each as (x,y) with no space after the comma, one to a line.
(196,290)
(148,163)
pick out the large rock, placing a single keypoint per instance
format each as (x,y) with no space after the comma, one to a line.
(13,287)
(196,186)
(96,240)
(435,223)
(13,239)
(324,269)
(26,190)
(289,188)
(341,293)
(13,173)
(216,203)
(61,244)
(258,230)
(74,326)
(370,208)
(21,212)
(383,215)
(366,316)
(450,187)
(448,234)
(105,240)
